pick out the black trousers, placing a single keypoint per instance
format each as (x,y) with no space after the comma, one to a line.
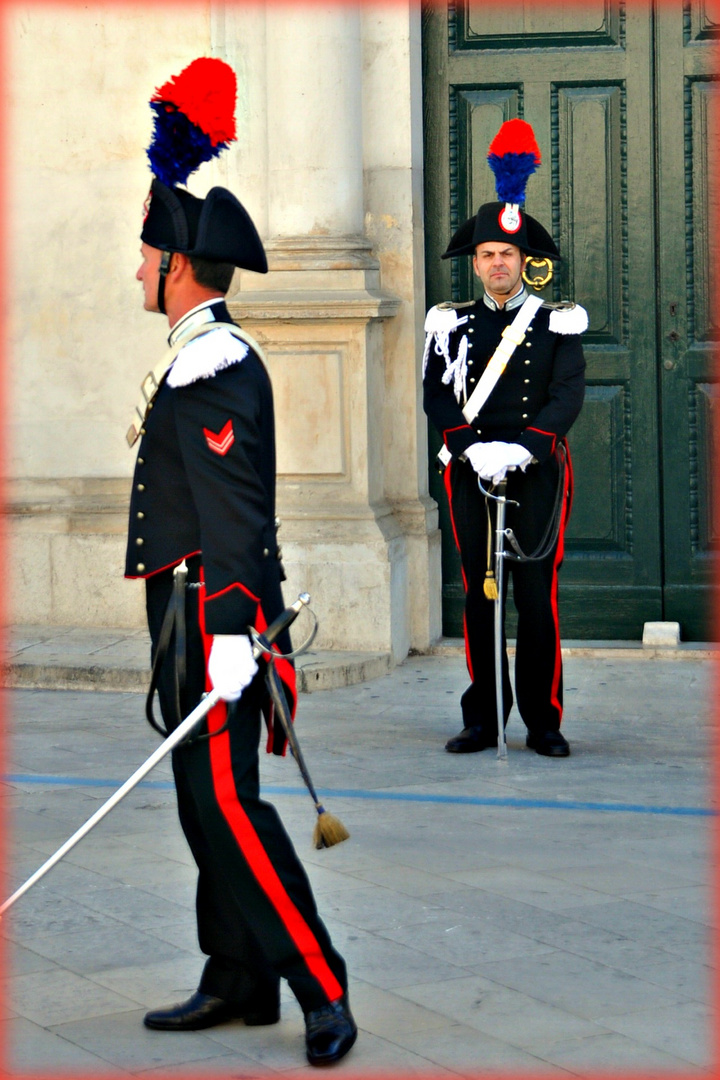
(256,915)
(538,659)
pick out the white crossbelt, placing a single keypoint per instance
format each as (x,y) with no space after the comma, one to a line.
(151,383)
(512,336)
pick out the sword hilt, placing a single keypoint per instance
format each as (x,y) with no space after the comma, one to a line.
(285,618)
(498,498)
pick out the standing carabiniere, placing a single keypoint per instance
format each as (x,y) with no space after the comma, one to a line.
(532,356)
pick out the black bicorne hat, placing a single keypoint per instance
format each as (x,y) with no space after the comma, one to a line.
(217,227)
(486,226)
(513,156)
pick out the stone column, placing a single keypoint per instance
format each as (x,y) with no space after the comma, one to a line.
(314,113)
(319,316)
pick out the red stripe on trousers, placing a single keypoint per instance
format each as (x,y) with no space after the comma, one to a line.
(448,488)
(251,845)
(559,552)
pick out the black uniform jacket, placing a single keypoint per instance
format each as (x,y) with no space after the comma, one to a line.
(204,483)
(537,397)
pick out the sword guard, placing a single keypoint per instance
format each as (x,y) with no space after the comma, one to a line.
(498,498)
(262,643)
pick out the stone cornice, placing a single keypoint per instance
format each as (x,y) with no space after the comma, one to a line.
(315,278)
(67,495)
(310,304)
(320,253)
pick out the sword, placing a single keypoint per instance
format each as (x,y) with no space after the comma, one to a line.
(501,502)
(211,699)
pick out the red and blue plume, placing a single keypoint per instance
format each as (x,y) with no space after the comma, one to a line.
(194,119)
(513,156)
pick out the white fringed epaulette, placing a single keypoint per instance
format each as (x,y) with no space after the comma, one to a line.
(443,319)
(440,322)
(567,318)
(205,356)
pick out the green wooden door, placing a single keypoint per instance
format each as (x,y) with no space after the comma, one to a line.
(687,100)
(620,101)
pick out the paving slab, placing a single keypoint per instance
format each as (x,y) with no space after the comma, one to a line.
(548,917)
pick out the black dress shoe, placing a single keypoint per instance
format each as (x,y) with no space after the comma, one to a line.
(330,1031)
(470,740)
(549,743)
(204,1011)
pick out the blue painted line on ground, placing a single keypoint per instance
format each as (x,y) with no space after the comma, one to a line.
(390,796)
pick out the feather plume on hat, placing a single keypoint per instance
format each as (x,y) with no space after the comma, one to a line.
(513,156)
(194,119)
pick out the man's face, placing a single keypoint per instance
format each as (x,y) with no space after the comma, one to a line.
(499,267)
(149,274)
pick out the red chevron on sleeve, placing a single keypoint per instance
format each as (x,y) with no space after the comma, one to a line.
(220,443)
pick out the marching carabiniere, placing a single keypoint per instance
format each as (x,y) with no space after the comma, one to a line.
(202,534)
(503,383)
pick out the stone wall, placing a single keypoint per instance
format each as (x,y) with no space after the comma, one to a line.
(329,164)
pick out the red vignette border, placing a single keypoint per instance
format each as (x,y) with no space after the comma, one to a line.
(4,566)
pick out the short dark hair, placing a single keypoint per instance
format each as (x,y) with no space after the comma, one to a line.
(211,274)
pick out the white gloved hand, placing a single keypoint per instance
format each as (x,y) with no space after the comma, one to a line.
(231,665)
(477,454)
(492,460)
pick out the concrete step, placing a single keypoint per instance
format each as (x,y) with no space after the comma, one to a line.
(81,658)
(609,650)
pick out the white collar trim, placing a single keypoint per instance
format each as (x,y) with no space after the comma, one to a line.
(509,305)
(196,316)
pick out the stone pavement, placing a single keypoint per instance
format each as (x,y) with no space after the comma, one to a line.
(534,915)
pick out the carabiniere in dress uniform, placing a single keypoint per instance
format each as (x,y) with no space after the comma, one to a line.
(202,534)
(503,382)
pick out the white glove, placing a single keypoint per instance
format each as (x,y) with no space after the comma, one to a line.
(231,665)
(492,460)
(476,454)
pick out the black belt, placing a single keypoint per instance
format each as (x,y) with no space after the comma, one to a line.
(173,624)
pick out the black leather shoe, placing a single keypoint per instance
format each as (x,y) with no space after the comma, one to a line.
(204,1011)
(470,740)
(549,743)
(330,1031)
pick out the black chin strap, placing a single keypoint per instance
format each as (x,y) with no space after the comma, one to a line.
(164,267)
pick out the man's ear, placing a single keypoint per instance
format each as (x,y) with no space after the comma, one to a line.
(178,264)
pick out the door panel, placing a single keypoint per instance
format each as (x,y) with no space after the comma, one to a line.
(588,89)
(687,202)
(531,25)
